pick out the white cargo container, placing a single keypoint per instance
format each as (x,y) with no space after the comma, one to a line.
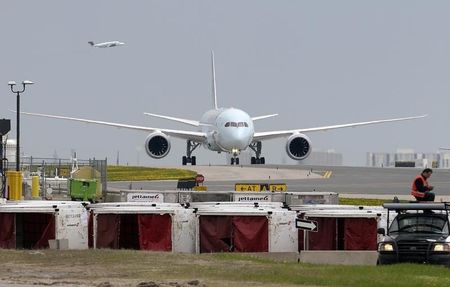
(31,224)
(311,197)
(205,196)
(245,227)
(149,196)
(143,226)
(341,227)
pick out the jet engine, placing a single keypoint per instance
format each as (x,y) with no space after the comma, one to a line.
(298,146)
(157,145)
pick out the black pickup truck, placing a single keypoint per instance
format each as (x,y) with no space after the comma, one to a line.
(419,233)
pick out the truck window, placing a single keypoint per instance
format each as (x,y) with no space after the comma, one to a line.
(419,223)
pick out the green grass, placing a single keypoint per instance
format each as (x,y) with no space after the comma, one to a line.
(364,201)
(135,173)
(127,268)
(338,275)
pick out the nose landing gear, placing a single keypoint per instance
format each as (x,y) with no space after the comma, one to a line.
(235,158)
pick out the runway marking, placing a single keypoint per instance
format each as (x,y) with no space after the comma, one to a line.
(328,174)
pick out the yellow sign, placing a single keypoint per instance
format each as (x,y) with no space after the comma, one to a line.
(247,187)
(278,187)
(200,188)
(258,187)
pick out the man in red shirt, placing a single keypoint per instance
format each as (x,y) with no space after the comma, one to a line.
(420,189)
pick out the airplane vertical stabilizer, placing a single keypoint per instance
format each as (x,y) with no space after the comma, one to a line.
(213,84)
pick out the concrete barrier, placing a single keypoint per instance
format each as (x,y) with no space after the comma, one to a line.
(276,256)
(340,257)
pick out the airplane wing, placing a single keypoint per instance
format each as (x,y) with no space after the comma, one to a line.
(199,137)
(264,117)
(277,134)
(184,121)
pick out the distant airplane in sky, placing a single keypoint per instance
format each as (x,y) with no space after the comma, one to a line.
(106,44)
(227,130)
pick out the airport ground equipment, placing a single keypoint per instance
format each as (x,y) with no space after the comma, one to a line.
(195,183)
(419,233)
(5,127)
(141,226)
(337,227)
(258,187)
(186,184)
(245,227)
(37,224)
(291,199)
(84,189)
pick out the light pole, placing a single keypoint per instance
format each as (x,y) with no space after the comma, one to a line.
(12,84)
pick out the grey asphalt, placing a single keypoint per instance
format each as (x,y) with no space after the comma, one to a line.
(343,180)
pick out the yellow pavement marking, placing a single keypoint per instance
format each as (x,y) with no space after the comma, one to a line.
(328,174)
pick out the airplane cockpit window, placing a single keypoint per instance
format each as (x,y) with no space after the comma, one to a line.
(236,125)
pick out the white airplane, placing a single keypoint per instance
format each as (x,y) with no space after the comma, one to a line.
(228,130)
(106,44)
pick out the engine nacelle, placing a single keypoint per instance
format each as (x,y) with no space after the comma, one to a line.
(298,146)
(157,145)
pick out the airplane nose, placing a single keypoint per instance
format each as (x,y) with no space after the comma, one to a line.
(235,140)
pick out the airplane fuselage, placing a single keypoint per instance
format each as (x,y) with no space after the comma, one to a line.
(108,44)
(228,130)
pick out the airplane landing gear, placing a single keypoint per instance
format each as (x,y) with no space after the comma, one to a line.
(255,160)
(190,147)
(257,147)
(234,160)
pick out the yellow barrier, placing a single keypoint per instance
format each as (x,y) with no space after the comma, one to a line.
(35,186)
(14,185)
(278,187)
(247,187)
(258,187)
(200,188)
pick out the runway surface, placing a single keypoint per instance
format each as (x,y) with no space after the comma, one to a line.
(343,180)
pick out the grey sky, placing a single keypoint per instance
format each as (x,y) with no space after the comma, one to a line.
(313,62)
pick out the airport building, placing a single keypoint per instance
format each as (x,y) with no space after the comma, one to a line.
(408,158)
(329,158)
(10,150)
(445,160)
